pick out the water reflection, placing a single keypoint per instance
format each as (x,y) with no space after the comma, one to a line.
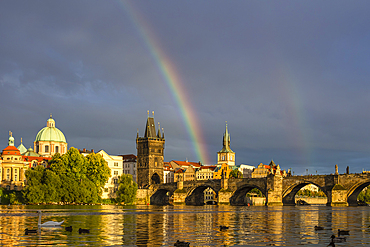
(162,226)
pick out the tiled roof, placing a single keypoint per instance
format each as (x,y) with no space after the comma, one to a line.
(187,163)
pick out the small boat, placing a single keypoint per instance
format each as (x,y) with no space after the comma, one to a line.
(48,223)
(68,228)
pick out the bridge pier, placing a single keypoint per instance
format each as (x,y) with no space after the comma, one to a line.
(224,194)
(275,190)
(337,197)
(179,195)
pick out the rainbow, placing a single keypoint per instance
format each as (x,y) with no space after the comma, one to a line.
(172,80)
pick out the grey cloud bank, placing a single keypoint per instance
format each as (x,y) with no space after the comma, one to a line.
(290,78)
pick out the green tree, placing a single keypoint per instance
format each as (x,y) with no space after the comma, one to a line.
(236,174)
(70,178)
(33,192)
(126,189)
(97,170)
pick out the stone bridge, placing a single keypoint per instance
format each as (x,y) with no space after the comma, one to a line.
(340,189)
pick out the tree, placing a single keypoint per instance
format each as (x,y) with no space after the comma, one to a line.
(126,189)
(97,170)
(236,174)
(70,178)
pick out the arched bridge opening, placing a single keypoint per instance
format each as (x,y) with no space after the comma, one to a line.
(354,192)
(289,196)
(161,197)
(196,196)
(239,197)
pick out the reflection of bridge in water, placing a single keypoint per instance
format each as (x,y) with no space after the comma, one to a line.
(340,189)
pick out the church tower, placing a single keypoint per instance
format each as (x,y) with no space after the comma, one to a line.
(150,155)
(226,155)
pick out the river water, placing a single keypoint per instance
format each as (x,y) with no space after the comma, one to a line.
(111,225)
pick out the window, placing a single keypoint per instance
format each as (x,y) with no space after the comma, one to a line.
(115,163)
(46,148)
(115,172)
(57,149)
(15,177)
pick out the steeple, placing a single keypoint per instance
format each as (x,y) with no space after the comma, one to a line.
(159,131)
(226,139)
(226,155)
(150,127)
(11,139)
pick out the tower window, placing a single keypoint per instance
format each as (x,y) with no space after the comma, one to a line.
(46,148)
(57,149)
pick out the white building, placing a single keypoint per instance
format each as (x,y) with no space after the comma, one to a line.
(246,170)
(168,173)
(130,165)
(115,163)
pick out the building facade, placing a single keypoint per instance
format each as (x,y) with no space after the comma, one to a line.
(246,170)
(150,155)
(130,165)
(115,163)
(12,167)
(50,140)
(205,172)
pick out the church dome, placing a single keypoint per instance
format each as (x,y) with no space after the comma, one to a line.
(50,133)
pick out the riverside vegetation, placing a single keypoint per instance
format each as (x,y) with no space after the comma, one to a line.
(70,178)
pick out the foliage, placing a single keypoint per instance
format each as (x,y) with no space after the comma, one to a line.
(11,197)
(97,169)
(310,193)
(236,174)
(364,195)
(255,191)
(71,178)
(126,189)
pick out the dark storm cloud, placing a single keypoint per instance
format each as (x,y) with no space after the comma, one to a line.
(291,78)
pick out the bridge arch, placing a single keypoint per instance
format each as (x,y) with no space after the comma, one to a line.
(195,195)
(354,191)
(161,197)
(239,196)
(289,194)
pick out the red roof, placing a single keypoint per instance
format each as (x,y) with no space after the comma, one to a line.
(11,150)
(187,163)
(208,167)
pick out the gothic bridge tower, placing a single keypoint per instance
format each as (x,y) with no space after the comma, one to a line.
(150,155)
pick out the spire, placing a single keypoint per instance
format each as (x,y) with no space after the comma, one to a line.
(159,131)
(137,134)
(162,133)
(150,127)
(11,139)
(226,139)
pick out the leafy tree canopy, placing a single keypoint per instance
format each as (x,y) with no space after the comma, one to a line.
(126,189)
(71,178)
(236,174)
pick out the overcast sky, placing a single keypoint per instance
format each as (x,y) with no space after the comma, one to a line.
(291,78)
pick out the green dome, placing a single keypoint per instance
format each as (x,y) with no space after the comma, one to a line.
(50,133)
